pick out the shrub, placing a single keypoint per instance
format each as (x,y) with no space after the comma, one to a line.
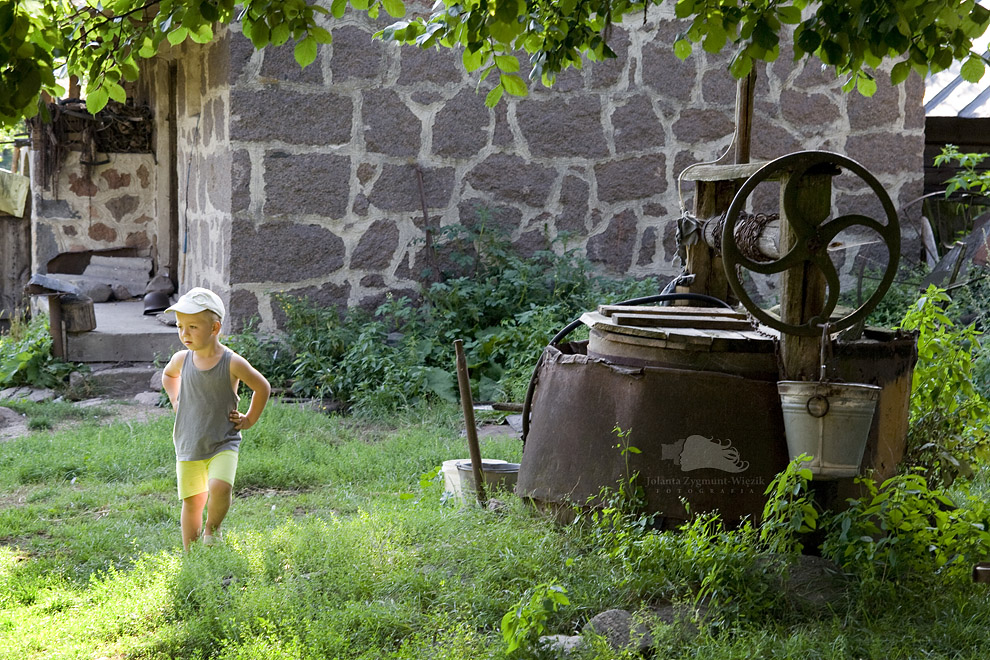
(949,419)
(902,529)
(26,357)
(503,306)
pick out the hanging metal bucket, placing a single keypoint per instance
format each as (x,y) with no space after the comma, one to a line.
(829,422)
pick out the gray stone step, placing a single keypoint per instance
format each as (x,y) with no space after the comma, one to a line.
(123,334)
(115,382)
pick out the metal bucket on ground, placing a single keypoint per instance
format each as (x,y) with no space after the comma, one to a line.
(829,422)
(498,475)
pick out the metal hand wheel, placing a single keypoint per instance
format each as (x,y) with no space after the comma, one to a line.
(812,240)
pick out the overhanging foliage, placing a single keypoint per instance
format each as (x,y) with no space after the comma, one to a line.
(103,41)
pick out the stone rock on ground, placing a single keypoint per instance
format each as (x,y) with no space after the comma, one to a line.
(811,585)
(28,393)
(147,398)
(12,424)
(562,645)
(115,382)
(621,630)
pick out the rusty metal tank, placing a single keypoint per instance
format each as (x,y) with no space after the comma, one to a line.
(696,388)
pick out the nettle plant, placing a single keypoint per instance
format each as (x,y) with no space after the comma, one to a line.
(949,419)
(967,178)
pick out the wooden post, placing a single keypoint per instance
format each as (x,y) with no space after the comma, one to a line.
(715,186)
(464,383)
(745,91)
(55,326)
(802,288)
(711,199)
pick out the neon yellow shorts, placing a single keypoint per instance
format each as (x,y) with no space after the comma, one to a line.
(194,476)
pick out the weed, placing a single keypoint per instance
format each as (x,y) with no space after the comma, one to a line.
(505,308)
(26,357)
(949,419)
(903,529)
(526,621)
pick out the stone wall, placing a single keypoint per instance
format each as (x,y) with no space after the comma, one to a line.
(203,159)
(327,161)
(312,182)
(101,207)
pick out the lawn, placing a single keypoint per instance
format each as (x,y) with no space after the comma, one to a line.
(339,545)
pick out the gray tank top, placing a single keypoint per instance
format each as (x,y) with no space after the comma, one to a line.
(202,427)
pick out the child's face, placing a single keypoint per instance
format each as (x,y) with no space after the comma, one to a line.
(196,331)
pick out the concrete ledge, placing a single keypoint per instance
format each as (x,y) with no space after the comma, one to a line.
(123,334)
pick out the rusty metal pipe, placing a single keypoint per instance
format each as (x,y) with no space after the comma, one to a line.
(464,384)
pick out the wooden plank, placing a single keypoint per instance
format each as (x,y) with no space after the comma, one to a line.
(692,322)
(609,310)
(14,190)
(603,324)
(730,172)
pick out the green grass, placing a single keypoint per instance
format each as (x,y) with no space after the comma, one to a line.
(325,558)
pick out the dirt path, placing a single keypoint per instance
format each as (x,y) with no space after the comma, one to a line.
(13,425)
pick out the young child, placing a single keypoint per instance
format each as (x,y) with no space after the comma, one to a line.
(202,385)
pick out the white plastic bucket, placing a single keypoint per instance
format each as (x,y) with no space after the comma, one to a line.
(828,421)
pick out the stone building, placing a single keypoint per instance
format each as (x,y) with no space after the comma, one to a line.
(322,182)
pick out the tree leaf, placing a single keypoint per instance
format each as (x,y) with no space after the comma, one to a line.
(866,85)
(507,63)
(682,48)
(972,69)
(513,84)
(305,51)
(493,97)
(338,8)
(900,72)
(96,99)
(177,36)
(280,34)
(116,92)
(395,8)
(472,61)
(260,34)
(321,35)
(789,14)
(203,34)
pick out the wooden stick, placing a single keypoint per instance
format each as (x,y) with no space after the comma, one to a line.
(464,383)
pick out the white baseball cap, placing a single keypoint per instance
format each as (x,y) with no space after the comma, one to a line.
(198,299)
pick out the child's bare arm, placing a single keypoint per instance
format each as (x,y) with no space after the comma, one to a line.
(261,390)
(171,377)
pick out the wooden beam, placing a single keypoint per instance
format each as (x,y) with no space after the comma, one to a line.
(802,288)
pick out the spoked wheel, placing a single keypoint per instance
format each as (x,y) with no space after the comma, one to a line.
(812,240)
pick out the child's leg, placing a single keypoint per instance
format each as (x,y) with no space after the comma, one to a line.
(219,504)
(222,470)
(193,491)
(191,519)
